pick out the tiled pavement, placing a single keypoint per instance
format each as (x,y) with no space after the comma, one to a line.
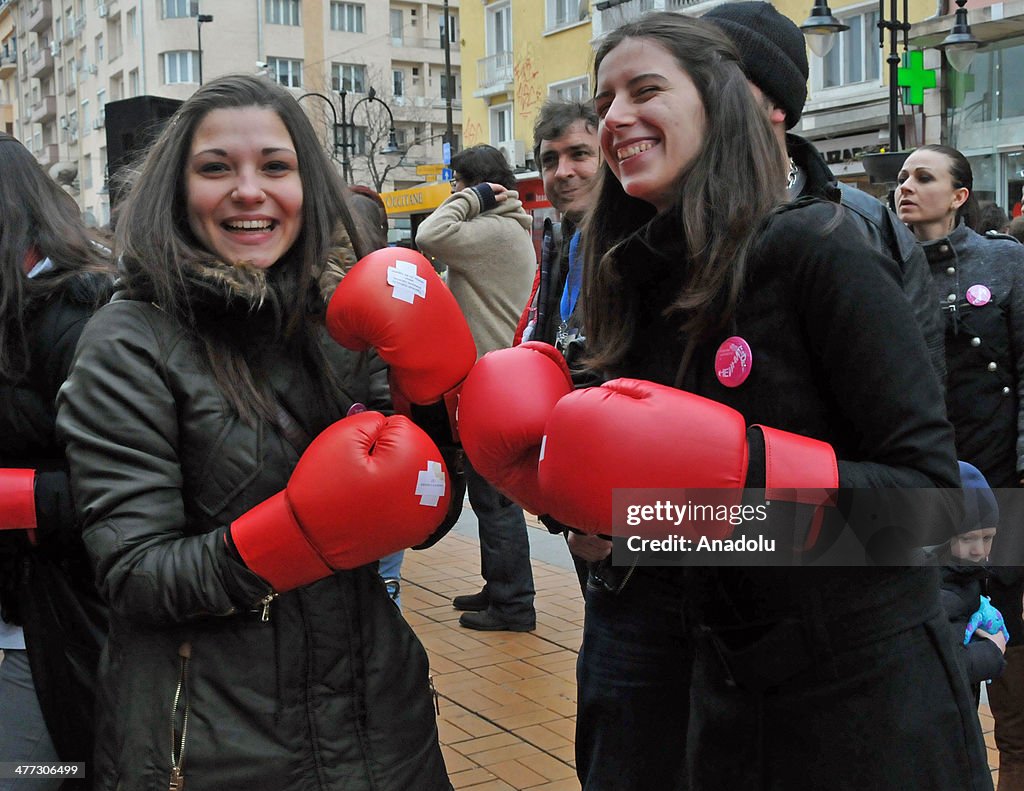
(507,700)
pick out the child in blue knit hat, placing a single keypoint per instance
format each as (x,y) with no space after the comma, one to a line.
(977,626)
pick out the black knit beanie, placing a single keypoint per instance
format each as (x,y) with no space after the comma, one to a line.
(772,49)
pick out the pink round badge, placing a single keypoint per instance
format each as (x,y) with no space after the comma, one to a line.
(979,295)
(733,361)
(355,409)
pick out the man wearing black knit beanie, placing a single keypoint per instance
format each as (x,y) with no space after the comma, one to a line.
(774,56)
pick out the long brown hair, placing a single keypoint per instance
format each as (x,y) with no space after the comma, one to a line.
(38,219)
(736,179)
(159,253)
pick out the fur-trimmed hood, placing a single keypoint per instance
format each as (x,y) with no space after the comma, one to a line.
(235,285)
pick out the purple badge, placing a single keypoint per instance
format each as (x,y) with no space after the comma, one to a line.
(979,295)
(733,361)
(355,409)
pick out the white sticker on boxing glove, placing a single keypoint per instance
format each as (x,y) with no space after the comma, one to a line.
(430,484)
(406,284)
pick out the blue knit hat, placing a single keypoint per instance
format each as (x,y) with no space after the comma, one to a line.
(980,507)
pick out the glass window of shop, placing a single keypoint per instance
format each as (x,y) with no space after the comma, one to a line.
(984,118)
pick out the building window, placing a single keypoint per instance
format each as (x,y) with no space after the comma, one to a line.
(347,17)
(565,12)
(856,56)
(133,83)
(98,49)
(396,27)
(181,66)
(87,171)
(349,77)
(501,124)
(575,90)
(455,86)
(283,12)
(286,71)
(499,29)
(397,82)
(86,122)
(358,140)
(131,22)
(178,8)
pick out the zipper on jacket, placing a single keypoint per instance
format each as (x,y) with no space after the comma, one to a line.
(265,605)
(177,782)
(629,574)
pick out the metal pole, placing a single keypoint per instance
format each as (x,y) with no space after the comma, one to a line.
(200,18)
(199,36)
(449,83)
(894,62)
(346,165)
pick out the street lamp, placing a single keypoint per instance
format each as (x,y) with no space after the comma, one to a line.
(334,114)
(959,46)
(821,27)
(348,122)
(200,18)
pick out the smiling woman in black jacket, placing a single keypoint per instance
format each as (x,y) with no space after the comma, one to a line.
(235,492)
(53,274)
(750,344)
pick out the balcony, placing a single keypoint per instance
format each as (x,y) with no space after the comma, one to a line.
(44,110)
(494,73)
(40,65)
(48,155)
(8,65)
(39,16)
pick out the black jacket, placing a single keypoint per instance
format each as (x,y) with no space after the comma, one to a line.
(985,381)
(963,584)
(884,231)
(832,360)
(49,588)
(327,687)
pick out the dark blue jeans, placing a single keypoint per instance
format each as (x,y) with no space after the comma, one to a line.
(633,677)
(504,550)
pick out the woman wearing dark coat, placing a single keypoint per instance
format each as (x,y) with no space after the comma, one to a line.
(53,275)
(749,344)
(232,510)
(979,281)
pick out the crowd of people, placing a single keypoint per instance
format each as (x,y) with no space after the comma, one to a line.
(225,425)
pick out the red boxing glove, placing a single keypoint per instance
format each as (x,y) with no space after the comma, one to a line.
(394,301)
(367,486)
(634,434)
(18,500)
(503,408)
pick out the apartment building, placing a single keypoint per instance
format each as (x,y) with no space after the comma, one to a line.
(75,56)
(8,68)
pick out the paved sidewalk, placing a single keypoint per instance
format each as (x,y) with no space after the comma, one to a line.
(508,700)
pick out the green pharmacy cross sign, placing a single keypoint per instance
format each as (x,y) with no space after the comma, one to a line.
(914,77)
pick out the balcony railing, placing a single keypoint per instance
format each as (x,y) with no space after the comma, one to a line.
(41,64)
(48,155)
(43,110)
(39,16)
(494,70)
(8,65)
